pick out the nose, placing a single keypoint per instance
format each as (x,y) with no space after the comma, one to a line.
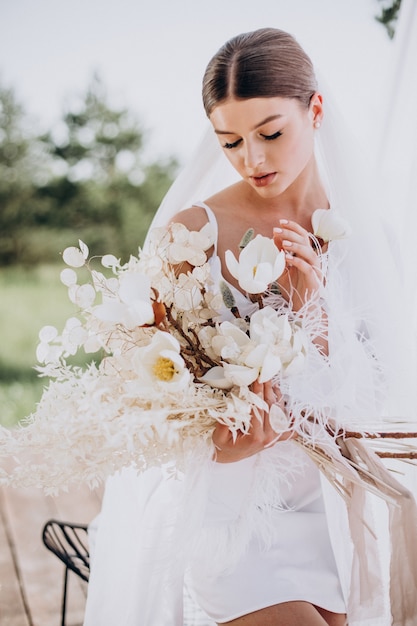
(254,155)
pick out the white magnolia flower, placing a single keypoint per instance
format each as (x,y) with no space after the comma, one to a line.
(229,375)
(160,363)
(281,346)
(328,225)
(268,326)
(133,306)
(240,375)
(230,342)
(244,359)
(267,361)
(260,263)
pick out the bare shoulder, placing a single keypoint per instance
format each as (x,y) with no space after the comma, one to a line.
(195,217)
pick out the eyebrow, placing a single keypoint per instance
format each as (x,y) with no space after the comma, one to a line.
(270,118)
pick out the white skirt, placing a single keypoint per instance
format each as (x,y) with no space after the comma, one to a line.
(299,565)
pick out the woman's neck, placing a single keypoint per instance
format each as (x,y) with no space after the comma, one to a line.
(297,202)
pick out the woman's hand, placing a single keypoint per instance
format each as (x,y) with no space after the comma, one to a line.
(303,278)
(260,436)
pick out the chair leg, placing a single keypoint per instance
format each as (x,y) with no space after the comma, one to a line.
(64,597)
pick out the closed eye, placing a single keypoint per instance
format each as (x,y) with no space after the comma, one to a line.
(229,146)
(271,137)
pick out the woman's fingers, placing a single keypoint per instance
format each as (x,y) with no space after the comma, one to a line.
(295,242)
(260,435)
(269,393)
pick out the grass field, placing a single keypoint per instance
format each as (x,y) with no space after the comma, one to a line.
(29,299)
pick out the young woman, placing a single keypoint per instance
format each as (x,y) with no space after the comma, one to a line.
(262,536)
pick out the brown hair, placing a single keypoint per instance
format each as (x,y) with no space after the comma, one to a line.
(260,64)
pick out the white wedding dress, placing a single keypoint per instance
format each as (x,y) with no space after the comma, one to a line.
(269,528)
(298,563)
(221,527)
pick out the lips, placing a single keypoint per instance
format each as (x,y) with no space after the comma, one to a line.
(262,180)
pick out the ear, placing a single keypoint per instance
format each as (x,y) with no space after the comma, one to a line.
(316,107)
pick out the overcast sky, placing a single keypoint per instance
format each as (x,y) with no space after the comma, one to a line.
(152,54)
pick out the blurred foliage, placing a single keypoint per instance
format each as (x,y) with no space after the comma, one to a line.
(21,165)
(85,178)
(31,297)
(389,15)
(18,400)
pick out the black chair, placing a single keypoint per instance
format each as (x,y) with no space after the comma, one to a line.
(69,542)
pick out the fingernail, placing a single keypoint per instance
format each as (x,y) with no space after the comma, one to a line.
(286,243)
(283,221)
(277,230)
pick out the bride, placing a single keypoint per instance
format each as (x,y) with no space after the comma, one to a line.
(258,533)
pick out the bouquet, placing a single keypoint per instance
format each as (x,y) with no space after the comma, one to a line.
(174,356)
(169,364)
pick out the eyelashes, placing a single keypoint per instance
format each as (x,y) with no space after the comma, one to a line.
(235,144)
(229,146)
(271,137)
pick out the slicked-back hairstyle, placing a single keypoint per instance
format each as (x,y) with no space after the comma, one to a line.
(263,63)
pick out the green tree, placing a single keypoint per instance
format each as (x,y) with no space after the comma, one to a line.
(96,140)
(102,191)
(86,179)
(22,166)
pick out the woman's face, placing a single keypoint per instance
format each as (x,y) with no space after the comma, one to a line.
(269,141)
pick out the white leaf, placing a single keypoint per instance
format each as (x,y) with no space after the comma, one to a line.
(109,260)
(72,292)
(77,336)
(73,257)
(84,249)
(47,334)
(92,344)
(85,296)
(215,378)
(278,419)
(68,277)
